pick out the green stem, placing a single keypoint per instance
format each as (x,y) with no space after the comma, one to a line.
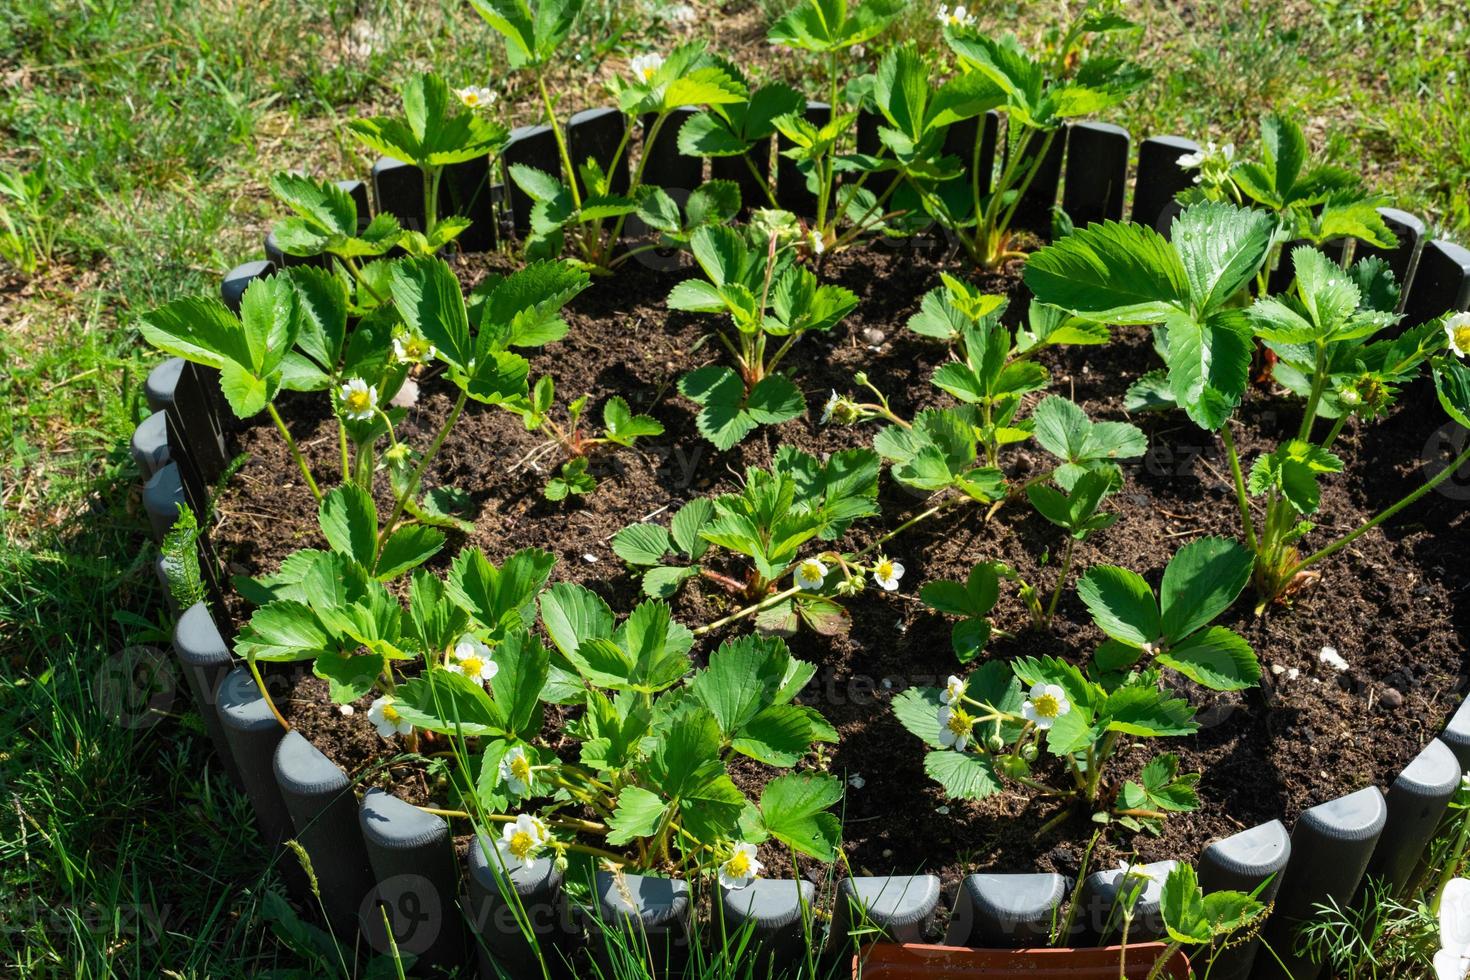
(418,471)
(824,167)
(1319,379)
(561,142)
(431,198)
(1005,222)
(1162,963)
(764,182)
(861,224)
(342,445)
(1451,863)
(651,141)
(1336,430)
(739,614)
(266,694)
(1241,500)
(1051,609)
(357,274)
(985,223)
(1348,539)
(295,450)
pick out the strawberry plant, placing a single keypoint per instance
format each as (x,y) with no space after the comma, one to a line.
(989,726)
(756,284)
(435,130)
(1195,288)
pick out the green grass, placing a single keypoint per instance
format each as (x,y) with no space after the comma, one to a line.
(152,126)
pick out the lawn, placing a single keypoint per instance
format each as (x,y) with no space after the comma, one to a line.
(138,138)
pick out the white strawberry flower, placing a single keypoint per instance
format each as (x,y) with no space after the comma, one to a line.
(1189,161)
(476,96)
(810,575)
(1452,962)
(954,690)
(472,659)
(412,349)
(887,572)
(359,400)
(386,719)
(1457,329)
(515,771)
(741,867)
(1047,703)
(817,243)
(645,66)
(955,728)
(521,840)
(958,17)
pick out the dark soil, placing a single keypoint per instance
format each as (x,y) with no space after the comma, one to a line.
(1394,605)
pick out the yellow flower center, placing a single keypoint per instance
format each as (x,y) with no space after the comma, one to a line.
(811,571)
(959,723)
(358,401)
(472,666)
(1462,337)
(738,866)
(520,768)
(885,569)
(1048,706)
(391,714)
(522,844)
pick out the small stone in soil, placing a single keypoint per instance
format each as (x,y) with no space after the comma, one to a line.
(874,336)
(1391,697)
(1333,659)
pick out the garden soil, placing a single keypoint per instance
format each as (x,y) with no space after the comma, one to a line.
(1394,605)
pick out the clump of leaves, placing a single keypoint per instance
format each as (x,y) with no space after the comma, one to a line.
(1194,287)
(828,29)
(756,284)
(434,132)
(1316,203)
(1036,98)
(961,447)
(590,212)
(777,511)
(621,427)
(970,600)
(989,726)
(1202,921)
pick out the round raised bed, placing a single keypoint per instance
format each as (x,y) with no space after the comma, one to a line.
(373,852)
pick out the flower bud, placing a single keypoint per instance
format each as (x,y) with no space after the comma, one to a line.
(996,743)
(1028,752)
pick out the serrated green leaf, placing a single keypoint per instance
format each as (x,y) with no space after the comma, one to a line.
(638,813)
(1217,658)
(349,522)
(1121,603)
(408,548)
(641,544)
(794,810)
(964,775)
(1201,581)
